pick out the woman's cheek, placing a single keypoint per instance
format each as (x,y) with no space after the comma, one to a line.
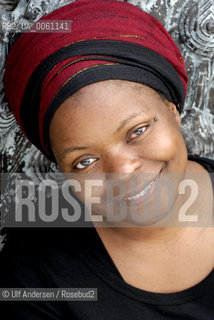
(165,146)
(90,190)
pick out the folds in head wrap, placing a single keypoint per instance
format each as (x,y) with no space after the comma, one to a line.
(108,40)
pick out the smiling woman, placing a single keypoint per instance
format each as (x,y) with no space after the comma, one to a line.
(142,141)
(104,101)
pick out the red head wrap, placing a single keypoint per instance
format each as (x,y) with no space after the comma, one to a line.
(108,40)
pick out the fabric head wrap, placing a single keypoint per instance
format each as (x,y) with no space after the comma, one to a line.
(108,40)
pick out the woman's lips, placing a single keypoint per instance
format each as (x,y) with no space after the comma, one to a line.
(142,192)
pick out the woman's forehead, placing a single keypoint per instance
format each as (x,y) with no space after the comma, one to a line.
(104,107)
(110,96)
(113,84)
(112,90)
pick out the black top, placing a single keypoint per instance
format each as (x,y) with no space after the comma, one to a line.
(77,258)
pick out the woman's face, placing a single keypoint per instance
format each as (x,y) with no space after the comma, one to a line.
(126,130)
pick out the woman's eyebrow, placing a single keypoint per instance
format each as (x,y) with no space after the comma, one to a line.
(72,149)
(124,122)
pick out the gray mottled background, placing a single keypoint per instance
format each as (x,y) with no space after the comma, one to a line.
(191,25)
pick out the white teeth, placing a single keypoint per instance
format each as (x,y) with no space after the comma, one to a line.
(142,193)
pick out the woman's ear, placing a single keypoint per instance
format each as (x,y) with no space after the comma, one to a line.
(175,113)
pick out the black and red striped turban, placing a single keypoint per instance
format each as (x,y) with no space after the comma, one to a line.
(108,40)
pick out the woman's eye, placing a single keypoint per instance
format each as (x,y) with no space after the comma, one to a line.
(84,163)
(137,132)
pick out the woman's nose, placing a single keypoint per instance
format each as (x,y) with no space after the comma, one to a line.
(124,164)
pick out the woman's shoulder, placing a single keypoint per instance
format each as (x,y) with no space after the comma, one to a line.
(200,163)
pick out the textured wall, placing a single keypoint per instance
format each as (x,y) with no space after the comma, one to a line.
(190,23)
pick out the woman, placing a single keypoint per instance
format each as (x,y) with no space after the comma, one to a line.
(106,99)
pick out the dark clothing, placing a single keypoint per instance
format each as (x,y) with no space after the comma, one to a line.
(77,258)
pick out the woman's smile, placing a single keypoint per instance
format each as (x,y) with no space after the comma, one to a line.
(143,193)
